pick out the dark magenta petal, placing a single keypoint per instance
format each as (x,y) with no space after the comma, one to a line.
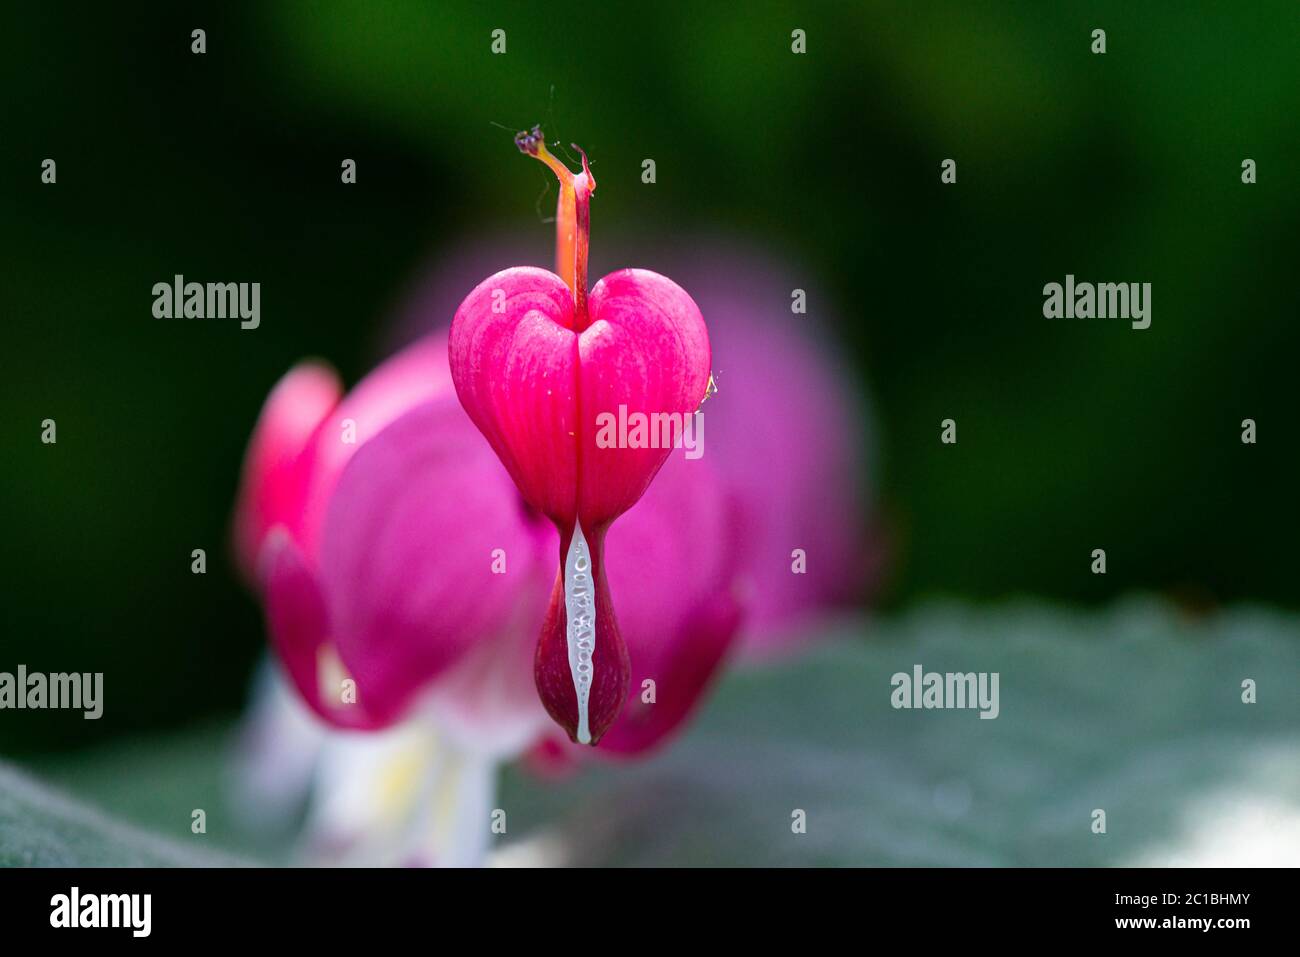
(610,663)
(675,559)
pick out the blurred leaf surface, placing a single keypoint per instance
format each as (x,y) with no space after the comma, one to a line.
(1135,709)
(40,827)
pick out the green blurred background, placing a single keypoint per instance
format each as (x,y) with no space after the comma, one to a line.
(1072,435)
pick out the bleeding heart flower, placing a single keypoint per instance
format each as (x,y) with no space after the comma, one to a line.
(798,458)
(536,360)
(710,539)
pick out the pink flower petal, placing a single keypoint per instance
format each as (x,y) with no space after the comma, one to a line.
(647,350)
(675,559)
(513,357)
(798,455)
(300,632)
(419,520)
(273,481)
(408,378)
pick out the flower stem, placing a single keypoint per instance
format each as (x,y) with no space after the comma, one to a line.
(572,219)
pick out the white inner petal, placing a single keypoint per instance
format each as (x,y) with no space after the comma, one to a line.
(580,610)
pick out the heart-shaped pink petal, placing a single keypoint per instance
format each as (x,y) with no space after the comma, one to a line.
(537,387)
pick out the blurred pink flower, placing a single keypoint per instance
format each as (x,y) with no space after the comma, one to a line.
(789,432)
